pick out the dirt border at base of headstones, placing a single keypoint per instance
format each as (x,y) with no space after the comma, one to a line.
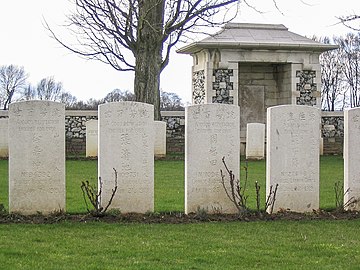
(176,217)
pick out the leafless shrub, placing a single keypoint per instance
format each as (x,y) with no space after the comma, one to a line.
(236,194)
(340,205)
(92,194)
(270,200)
(257,191)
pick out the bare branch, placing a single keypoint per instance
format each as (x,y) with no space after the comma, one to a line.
(346,20)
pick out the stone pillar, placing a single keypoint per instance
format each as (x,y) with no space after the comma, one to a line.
(306,86)
(200,74)
(214,81)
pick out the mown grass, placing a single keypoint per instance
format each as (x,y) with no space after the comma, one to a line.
(233,245)
(169,182)
(308,244)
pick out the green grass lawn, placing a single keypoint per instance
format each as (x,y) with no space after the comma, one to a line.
(325,244)
(169,182)
(233,245)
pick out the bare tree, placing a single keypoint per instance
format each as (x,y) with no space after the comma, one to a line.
(81,105)
(350,53)
(29,93)
(12,80)
(332,78)
(119,95)
(170,102)
(351,21)
(106,30)
(92,104)
(68,99)
(49,89)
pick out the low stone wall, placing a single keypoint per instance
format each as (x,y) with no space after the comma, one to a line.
(75,130)
(175,131)
(332,131)
(332,124)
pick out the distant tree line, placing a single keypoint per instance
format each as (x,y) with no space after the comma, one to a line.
(14,87)
(168,101)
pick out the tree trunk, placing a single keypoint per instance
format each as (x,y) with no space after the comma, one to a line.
(148,55)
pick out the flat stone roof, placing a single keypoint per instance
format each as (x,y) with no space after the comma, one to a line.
(256,36)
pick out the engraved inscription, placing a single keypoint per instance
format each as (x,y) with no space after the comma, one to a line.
(126,139)
(214,130)
(293,153)
(37,162)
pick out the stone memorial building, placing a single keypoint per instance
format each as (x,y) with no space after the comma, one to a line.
(256,66)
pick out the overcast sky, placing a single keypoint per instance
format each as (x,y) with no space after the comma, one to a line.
(25,42)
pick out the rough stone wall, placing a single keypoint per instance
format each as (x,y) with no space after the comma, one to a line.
(198,81)
(332,124)
(306,86)
(175,132)
(222,85)
(75,126)
(332,131)
(75,131)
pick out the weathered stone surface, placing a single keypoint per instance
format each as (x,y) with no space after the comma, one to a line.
(293,156)
(352,157)
(75,123)
(332,126)
(252,105)
(307,87)
(126,143)
(321,146)
(212,132)
(222,85)
(37,157)
(92,138)
(198,95)
(160,139)
(255,141)
(4,145)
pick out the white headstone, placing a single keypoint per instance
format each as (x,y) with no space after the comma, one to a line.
(292,160)
(160,139)
(37,157)
(126,143)
(255,141)
(352,157)
(92,138)
(321,146)
(4,146)
(212,132)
